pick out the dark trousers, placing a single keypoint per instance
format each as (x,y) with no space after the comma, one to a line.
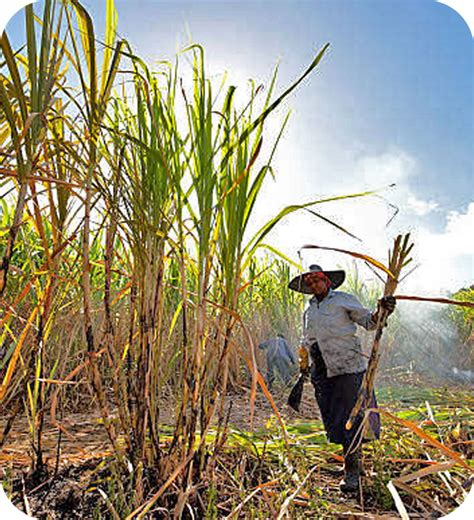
(336,396)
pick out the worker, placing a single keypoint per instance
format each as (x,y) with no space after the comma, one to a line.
(338,363)
(281,359)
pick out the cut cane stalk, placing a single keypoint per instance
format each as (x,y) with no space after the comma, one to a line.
(398,258)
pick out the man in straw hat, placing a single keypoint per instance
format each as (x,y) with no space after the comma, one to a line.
(338,364)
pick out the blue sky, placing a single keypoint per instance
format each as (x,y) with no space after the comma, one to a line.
(391,102)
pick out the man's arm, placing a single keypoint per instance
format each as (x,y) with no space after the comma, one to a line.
(358,313)
(364,317)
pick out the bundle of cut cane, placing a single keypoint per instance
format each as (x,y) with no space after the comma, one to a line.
(398,259)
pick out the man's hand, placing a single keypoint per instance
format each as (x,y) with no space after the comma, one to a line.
(303,361)
(388,303)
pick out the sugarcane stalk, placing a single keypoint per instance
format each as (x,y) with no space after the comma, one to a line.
(398,258)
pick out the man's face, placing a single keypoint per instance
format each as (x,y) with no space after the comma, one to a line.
(317,284)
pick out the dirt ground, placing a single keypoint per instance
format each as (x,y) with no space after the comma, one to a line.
(84,445)
(85,437)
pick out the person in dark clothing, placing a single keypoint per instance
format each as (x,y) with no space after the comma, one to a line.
(280,359)
(338,364)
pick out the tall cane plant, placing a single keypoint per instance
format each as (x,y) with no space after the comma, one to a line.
(28,91)
(138,192)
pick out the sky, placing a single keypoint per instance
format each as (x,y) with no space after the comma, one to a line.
(390,103)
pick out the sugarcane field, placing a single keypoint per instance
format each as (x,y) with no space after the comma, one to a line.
(236,260)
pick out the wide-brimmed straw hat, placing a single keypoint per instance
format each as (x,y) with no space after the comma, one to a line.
(298,283)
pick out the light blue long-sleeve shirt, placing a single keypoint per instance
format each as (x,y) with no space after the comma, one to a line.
(333,324)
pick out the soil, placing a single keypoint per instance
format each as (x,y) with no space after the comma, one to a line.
(61,491)
(85,436)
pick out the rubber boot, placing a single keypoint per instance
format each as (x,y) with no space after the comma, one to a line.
(352,471)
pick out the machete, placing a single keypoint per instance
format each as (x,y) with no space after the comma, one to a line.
(294,399)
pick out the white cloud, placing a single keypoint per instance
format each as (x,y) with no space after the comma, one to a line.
(395,167)
(390,167)
(445,257)
(421,207)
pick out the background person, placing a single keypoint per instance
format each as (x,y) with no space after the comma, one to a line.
(280,358)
